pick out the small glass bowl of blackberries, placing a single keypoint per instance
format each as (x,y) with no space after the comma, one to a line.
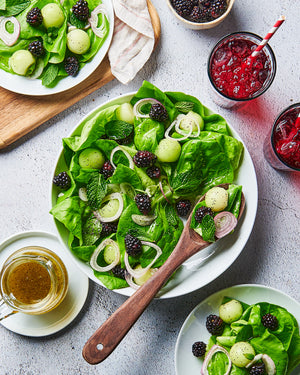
(200,14)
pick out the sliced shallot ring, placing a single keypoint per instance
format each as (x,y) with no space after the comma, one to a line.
(141,272)
(214,349)
(138,105)
(101,247)
(9,38)
(225,222)
(143,220)
(268,362)
(82,194)
(109,197)
(183,132)
(162,191)
(174,124)
(38,69)
(93,20)
(119,148)
(130,281)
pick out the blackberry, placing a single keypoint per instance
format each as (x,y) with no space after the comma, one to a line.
(81,10)
(217,8)
(270,321)
(144,159)
(199,348)
(183,7)
(214,325)
(183,207)
(119,272)
(200,14)
(71,66)
(205,3)
(158,112)
(36,48)
(143,203)
(203,211)
(109,228)
(62,180)
(107,170)
(34,17)
(133,245)
(258,369)
(153,172)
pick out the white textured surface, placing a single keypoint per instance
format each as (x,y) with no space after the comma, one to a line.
(271,256)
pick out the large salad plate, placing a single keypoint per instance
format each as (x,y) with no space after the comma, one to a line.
(34,87)
(193,329)
(204,267)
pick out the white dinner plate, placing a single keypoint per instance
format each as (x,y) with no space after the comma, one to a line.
(34,87)
(210,263)
(69,308)
(194,329)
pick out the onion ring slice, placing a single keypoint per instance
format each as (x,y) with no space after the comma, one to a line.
(225,222)
(141,272)
(175,124)
(101,247)
(9,38)
(119,148)
(214,349)
(93,20)
(109,197)
(139,104)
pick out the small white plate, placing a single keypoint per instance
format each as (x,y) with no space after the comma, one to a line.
(194,329)
(203,267)
(34,87)
(65,313)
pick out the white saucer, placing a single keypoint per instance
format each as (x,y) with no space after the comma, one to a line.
(65,313)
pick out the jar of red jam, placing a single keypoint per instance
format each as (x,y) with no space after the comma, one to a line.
(282,144)
(236,77)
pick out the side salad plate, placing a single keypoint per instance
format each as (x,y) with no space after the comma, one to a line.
(40,68)
(105,134)
(277,347)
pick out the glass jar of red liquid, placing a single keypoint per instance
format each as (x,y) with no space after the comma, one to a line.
(282,145)
(236,77)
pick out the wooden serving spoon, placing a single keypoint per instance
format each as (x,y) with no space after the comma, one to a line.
(101,344)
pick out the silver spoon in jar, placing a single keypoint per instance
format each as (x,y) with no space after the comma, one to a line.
(102,343)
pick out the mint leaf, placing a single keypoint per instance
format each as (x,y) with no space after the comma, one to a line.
(184,107)
(91,231)
(76,22)
(13,7)
(208,228)
(118,130)
(50,74)
(249,356)
(96,190)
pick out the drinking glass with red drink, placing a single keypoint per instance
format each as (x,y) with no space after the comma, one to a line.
(282,145)
(236,76)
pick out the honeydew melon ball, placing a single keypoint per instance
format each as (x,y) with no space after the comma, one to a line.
(168,150)
(52,15)
(21,61)
(231,311)
(110,208)
(91,158)
(216,198)
(78,41)
(125,113)
(239,353)
(191,119)
(141,280)
(110,254)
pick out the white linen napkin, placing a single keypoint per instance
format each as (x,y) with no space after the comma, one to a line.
(133,39)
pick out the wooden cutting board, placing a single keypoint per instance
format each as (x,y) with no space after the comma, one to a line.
(21,113)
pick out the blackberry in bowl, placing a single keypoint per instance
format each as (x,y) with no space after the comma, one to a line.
(200,14)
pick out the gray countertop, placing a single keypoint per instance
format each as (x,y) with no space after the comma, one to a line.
(271,255)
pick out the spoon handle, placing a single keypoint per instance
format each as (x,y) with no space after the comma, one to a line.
(102,343)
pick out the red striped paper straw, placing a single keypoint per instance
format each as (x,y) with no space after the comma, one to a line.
(268,36)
